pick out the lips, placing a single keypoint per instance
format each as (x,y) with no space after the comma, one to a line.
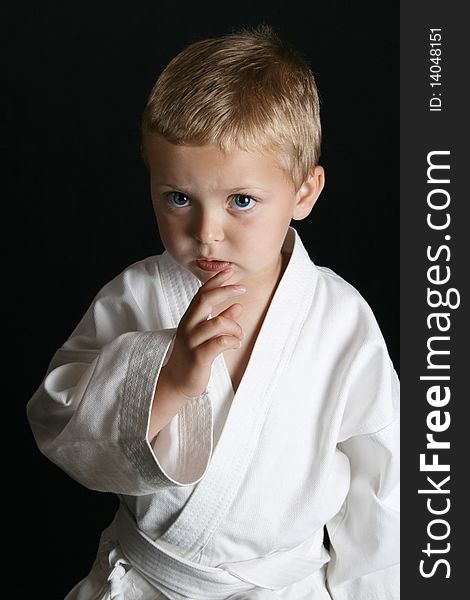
(212,264)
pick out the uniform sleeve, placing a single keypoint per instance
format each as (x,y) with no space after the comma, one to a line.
(364,535)
(90,414)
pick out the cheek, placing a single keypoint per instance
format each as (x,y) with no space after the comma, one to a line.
(168,226)
(243,233)
(261,240)
(170,237)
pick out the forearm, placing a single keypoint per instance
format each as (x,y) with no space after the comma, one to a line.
(167,402)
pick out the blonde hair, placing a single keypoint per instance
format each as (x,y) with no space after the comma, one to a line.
(246,89)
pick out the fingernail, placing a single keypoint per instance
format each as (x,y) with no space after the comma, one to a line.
(239,288)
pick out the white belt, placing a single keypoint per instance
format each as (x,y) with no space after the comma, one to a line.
(179,579)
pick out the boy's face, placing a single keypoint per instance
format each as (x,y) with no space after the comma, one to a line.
(232,208)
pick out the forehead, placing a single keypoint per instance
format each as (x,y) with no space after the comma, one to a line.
(210,167)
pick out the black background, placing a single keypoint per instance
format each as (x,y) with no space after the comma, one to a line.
(78,80)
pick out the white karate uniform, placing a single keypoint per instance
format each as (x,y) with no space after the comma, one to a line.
(232,498)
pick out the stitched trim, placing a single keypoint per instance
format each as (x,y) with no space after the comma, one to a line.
(146,356)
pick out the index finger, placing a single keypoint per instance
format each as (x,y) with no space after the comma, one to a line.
(210,294)
(217,279)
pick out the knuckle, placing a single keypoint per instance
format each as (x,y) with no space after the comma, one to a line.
(203,297)
(217,322)
(221,341)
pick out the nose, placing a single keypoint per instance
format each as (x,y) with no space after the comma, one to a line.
(208,227)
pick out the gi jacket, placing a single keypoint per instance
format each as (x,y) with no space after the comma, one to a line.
(231,498)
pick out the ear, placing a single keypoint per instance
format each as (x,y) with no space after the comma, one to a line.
(308,193)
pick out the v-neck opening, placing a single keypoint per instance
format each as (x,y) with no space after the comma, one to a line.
(287,248)
(229,377)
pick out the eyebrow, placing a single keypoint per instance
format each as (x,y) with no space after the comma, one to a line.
(235,190)
(171,185)
(248,187)
(176,188)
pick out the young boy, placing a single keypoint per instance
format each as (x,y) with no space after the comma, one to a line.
(235,396)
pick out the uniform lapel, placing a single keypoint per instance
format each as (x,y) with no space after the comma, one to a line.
(281,328)
(179,287)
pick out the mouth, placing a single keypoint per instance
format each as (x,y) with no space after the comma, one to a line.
(212,264)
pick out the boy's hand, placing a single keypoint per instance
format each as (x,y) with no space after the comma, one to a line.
(198,342)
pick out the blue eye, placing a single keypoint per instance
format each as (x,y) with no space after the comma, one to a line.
(178,199)
(242,202)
